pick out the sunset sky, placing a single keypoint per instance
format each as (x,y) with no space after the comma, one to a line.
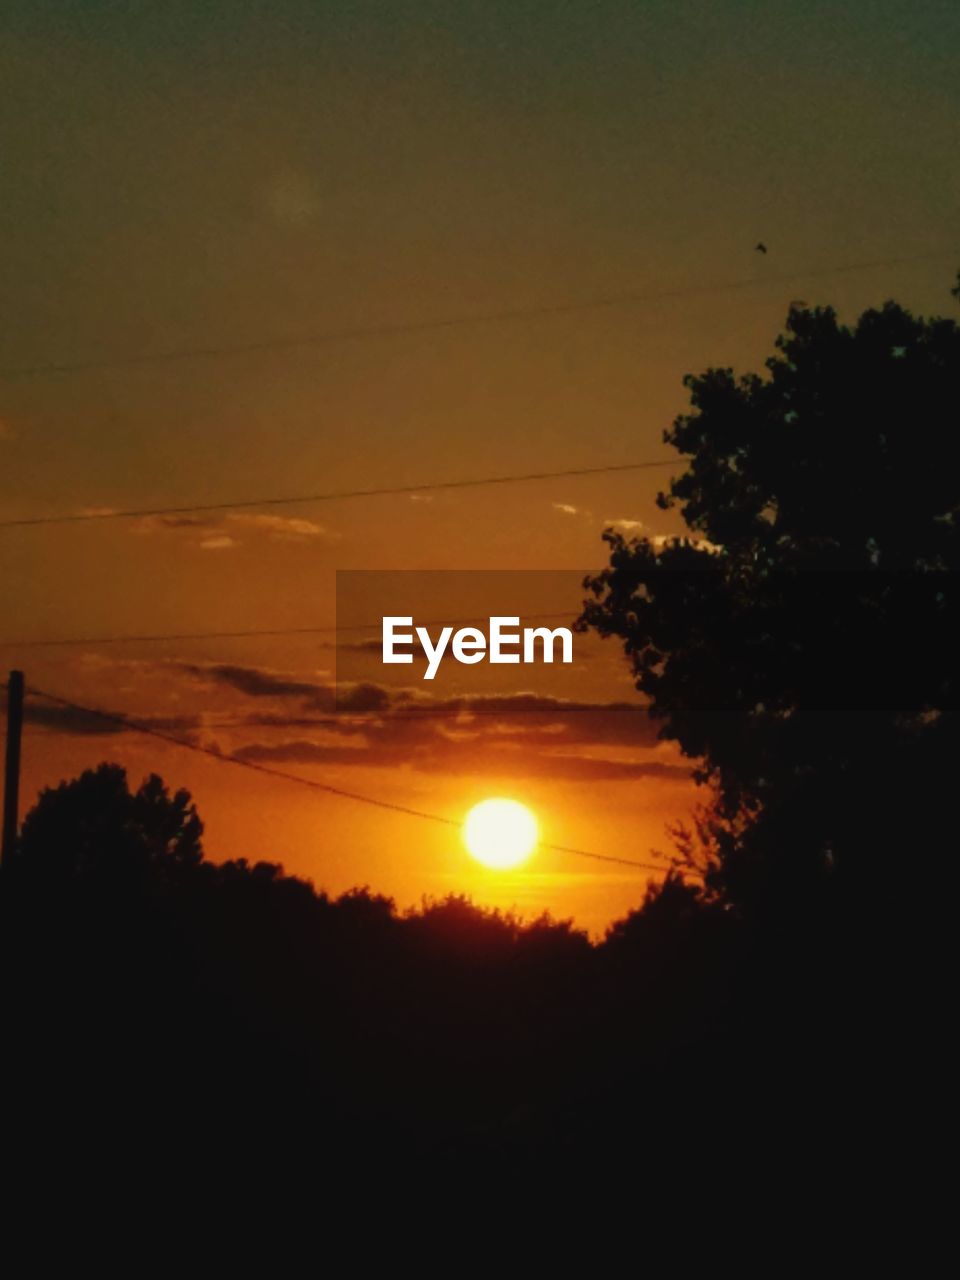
(197,176)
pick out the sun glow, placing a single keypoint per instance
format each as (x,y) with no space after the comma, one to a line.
(500,833)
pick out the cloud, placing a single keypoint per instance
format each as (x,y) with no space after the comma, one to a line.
(621,723)
(375,645)
(67,720)
(459,757)
(80,723)
(219,529)
(255,682)
(302,751)
(524,734)
(282,528)
(346,698)
(381,711)
(625,526)
(565,508)
(362,697)
(299,718)
(404,712)
(589,768)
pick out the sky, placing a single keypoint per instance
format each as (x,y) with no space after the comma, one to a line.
(204,176)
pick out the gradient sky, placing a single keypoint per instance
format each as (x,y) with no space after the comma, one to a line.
(198,175)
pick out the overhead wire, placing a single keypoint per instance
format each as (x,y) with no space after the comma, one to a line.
(334,495)
(253,633)
(355,333)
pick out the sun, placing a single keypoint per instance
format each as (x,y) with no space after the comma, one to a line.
(500,833)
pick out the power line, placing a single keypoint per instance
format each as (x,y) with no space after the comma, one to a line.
(334,495)
(362,627)
(399,328)
(58,641)
(312,784)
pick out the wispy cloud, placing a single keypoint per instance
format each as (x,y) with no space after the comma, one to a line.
(80,723)
(254,682)
(224,532)
(521,734)
(461,756)
(282,528)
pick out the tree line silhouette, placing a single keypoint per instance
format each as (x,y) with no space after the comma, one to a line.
(449,1027)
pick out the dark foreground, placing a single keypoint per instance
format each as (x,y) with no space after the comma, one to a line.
(159,1005)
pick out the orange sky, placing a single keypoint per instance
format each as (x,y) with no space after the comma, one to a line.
(202,175)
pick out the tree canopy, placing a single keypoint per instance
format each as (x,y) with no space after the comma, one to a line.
(801,642)
(95,825)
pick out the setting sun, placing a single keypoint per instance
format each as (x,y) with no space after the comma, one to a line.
(500,833)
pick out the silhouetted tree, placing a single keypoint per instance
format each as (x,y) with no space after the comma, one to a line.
(801,644)
(95,825)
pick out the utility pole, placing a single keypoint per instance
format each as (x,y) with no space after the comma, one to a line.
(11,776)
